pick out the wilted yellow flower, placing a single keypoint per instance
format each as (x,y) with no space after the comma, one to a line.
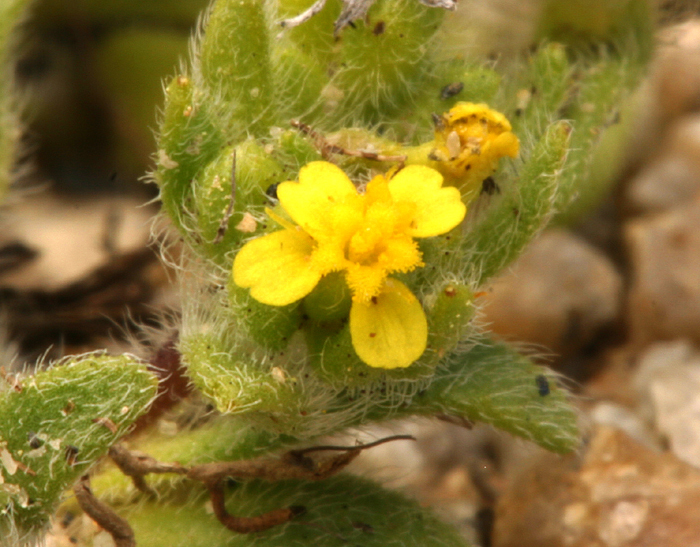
(368,236)
(469,141)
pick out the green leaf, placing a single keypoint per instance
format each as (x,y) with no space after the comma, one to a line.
(236,68)
(188,141)
(603,113)
(544,83)
(58,425)
(525,208)
(493,384)
(384,62)
(340,511)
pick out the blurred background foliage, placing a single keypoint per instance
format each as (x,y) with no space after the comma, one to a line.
(90,77)
(90,73)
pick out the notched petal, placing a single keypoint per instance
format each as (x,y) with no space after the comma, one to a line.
(309,201)
(438,209)
(276,267)
(389,331)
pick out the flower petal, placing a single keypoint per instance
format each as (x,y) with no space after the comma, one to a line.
(365,282)
(438,209)
(309,201)
(401,255)
(391,330)
(506,144)
(276,267)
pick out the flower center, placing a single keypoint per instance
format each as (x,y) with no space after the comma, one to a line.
(378,242)
(370,241)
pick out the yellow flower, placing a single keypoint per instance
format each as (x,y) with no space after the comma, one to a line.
(469,141)
(368,236)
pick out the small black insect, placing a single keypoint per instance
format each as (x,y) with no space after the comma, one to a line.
(490,187)
(450,90)
(542,385)
(34,441)
(272,190)
(72,454)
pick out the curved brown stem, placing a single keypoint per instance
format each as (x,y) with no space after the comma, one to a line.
(248,525)
(103,514)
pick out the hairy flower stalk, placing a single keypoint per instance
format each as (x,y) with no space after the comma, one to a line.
(367,235)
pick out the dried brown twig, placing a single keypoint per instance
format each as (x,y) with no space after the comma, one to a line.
(326,148)
(352,11)
(137,465)
(103,514)
(294,464)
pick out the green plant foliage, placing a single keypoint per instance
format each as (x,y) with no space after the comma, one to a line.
(11,12)
(608,53)
(523,209)
(339,511)
(380,99)
(188,141)
(52,429)
(492,383)
(235,66)
(293,369)
(603,108)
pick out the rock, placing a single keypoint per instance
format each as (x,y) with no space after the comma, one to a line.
(73,269)
(668,381)
(458,472)
(670,92)
(612,381)
(624,419)
(664,256)
(71,237)
(619,494)
(672,177)
(676,70)
(559,294)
